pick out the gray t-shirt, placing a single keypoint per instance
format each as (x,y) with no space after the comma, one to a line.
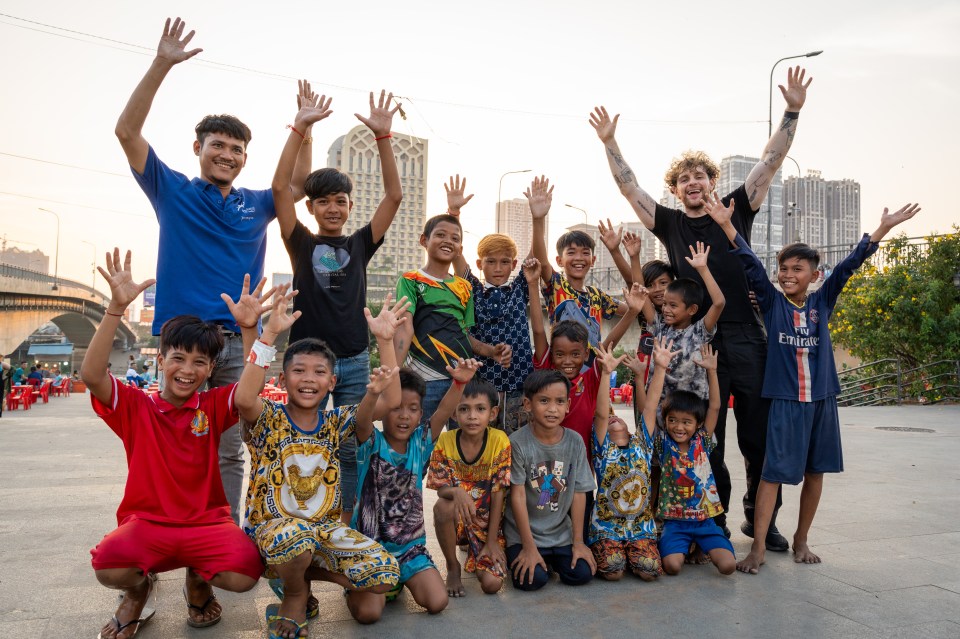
(551,475)
(684,374)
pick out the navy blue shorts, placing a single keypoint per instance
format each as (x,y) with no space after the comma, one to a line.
(678,534)
(802,437)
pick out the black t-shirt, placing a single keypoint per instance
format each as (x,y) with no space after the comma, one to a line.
(331,275)
(678,232)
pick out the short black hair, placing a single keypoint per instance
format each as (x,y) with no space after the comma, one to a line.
(226,124)
(799,250)
(654,269)
(575,238)
(309,346)
(689,290)
(190,333)
(480,388)
(680,401)
(323,182)
(540,379)
(572,330)
(411,380)
(437,219)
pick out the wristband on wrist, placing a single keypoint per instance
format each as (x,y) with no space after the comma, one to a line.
(458,383)
(383,137)
(262,354)
(294,129)
(791,115)
(114,314)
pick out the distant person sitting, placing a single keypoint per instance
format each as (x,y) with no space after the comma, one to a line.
(35,378)
(133,377)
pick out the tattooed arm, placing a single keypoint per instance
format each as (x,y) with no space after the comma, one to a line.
(795,94)
(641,201)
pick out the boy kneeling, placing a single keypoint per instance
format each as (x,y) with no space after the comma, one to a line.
(174,513)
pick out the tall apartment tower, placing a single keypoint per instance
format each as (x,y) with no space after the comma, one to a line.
(822,213)
(513,219)
(733,172)
(356,155)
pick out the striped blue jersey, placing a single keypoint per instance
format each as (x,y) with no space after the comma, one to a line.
(800,364)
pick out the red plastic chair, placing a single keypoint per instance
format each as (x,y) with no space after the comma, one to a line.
(18,397)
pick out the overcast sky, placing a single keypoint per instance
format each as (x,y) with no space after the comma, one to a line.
(494,86)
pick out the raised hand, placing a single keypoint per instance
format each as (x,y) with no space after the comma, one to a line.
(540,196)
(389,319)
(698,257)
(279,321)
(313,108)
(631,243)
(795,92)
(465,370)
(714,207)
(381,115)
(380,378)
(455,197)
(610,237)
(608,361)
(247,310)
(662,353)
(631,361)
(123,289)
(708,358)
(889,220)
(605,127)
(531,271)
(173,43)
(636,297)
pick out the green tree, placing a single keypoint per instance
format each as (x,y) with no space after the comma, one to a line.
(908,309)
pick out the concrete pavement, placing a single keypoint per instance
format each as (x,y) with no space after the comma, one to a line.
(888,530)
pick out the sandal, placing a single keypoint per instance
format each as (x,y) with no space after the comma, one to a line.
(313,604)
(202,610)
(148,610)
(273,616)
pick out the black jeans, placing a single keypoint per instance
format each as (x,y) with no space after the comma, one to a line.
(741,361)
(558,560)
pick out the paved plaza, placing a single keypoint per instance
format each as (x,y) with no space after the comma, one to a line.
(888,531)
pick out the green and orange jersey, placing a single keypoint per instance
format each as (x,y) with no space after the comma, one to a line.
(442,312)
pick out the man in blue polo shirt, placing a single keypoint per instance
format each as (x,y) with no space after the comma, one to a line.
(211,233)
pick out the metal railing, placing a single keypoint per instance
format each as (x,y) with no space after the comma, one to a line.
(886,381)
(18,272)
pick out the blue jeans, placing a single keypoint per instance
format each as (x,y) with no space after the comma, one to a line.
(227,370)
(436,389)
(353,375)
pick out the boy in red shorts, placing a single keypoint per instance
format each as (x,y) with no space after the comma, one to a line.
(174,513)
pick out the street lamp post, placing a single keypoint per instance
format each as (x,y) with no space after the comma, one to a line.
(93,269)
(500,191)
(56,259)
(586,220)
(795,206)
(811,54)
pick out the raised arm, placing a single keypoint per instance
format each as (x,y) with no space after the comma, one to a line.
(761,289)
(708,362)
(662,356)
(698,260)
(379,123)
(611,238)
(246,311)
(889,220)
(760,177)
(285,190)
(384,328)
(463,373)
(123,290)
(632,244)
(601,415)
(171,51)
(456,200)
(643,204)
(540,196)
(531,271)
(636,298)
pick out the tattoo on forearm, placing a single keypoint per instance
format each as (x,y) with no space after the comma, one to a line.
(790,126)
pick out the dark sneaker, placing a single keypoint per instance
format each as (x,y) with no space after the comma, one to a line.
(774,541)
(726,531)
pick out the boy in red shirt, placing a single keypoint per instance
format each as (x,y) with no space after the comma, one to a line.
(174,513)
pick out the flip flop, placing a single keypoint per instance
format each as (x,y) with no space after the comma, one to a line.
(313,604)
(202,610)
(149,609)
(273,616)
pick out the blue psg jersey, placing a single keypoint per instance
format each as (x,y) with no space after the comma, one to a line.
(800,364)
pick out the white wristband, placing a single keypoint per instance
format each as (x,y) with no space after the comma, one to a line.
(262,354)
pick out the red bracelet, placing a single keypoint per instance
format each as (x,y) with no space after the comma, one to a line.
(292,128)
(383,137)
(458,383)
(114,314)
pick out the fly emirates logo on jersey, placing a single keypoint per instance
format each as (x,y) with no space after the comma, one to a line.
(802,337)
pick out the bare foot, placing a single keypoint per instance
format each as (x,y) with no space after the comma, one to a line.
(125,622)
(203,609)
(454,584)
(802,553)
(696,557)
(751,563)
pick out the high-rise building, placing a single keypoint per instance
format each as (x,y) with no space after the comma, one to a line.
(356,155)
(822,213)
(513,219)
(764,242)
